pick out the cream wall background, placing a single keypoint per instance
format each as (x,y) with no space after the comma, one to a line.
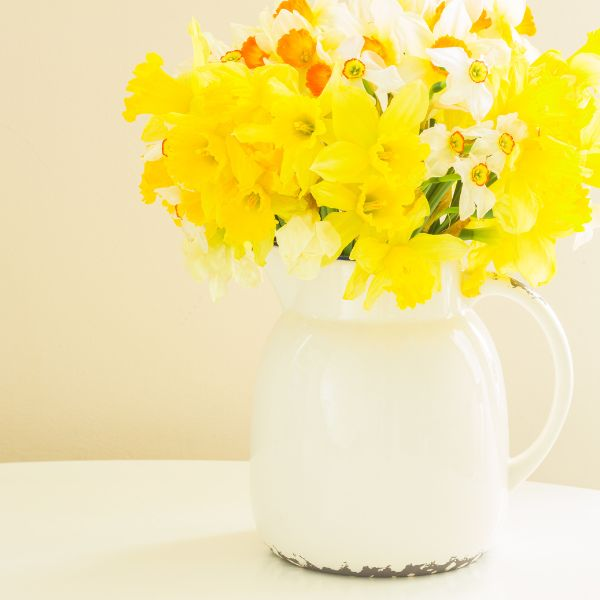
(107,348)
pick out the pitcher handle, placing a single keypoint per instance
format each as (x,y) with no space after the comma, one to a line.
(524,464)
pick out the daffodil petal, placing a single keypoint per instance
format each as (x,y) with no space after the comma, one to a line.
(334,195)
(451,59)
(407,109)
(342,162)
(354,116)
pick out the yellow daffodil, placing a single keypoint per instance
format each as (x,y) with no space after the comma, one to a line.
(154,176)
(246,217)
(532,216)
(356,128)
(410,270)
(587,234)
(549,103)
(154,92)
(367,143)
(590,142)
(378,203)
(294,123)
(194,156)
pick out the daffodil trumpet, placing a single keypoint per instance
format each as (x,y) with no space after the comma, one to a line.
(365,130)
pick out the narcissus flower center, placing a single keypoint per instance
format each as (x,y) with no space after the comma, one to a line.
(354,69)
(204,154)
(232,56)
(457,142)
(297,48)
(507,143)
(384,154)
(480,174)
(478,71)
(253,200)
(317,77)
(304,127)
(252,54)
(373,204)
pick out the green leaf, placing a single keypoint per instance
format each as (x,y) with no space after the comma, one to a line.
(324,211)
(347,250)
(451,210)
(436,88)
(371,91)
(488,235)
(449,178)
(369,88)
(493,178)
(457,193)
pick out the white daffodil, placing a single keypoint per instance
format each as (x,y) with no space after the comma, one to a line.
(457,18)
(357,64)
(217,263)
(218,49)
(272,28)
(304,243)
(419,7)
(496,52)
(467,84)
(502,143)
(335,21)
(386,21)
(448,145)
(475,175)
(207,48)
(513,11)
(456,23)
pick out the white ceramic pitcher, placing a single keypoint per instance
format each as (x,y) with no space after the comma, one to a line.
(380,438)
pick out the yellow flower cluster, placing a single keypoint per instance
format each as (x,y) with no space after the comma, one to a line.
(399,134)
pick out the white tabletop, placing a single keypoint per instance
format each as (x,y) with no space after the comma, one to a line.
(179,530)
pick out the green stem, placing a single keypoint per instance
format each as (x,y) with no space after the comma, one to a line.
(434,197)
(457,193)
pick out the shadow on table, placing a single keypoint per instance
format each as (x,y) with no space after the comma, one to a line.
(239,565)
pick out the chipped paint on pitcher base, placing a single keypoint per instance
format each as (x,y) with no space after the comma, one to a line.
(408,571)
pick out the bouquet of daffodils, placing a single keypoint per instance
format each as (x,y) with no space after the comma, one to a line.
(398,134)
